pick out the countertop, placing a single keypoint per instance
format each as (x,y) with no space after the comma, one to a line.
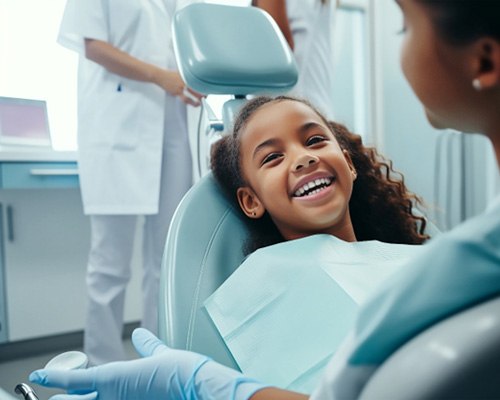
(33,154)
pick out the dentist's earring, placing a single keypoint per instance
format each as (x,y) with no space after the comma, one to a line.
(476,84)
(254,214)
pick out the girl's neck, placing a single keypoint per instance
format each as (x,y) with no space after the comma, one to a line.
(344,232)
(347,236)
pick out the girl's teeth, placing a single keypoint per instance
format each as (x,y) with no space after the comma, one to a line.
(319,184)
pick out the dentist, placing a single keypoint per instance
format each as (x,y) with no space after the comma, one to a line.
(133,151)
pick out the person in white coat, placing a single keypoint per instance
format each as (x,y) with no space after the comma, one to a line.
(133,151)
(307,27)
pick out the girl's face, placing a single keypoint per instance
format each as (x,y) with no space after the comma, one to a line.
(296,170)
(439,73)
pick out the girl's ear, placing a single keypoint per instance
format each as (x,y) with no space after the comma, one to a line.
(351,164)
(486,65)
(250,203)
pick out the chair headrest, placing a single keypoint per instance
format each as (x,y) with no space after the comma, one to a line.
(232,50)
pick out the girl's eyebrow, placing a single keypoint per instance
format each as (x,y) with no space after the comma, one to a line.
(266,143)
(308,126)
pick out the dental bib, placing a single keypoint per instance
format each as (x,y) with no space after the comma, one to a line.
(287,308)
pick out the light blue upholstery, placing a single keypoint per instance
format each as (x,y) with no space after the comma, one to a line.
(204,246)
(232,50)
(458,358)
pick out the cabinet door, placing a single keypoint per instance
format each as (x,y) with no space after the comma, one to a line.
(46,244)
(3,305)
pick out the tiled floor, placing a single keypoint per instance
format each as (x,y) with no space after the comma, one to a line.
(17,371)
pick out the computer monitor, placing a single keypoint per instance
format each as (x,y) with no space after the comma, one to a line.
(24,122)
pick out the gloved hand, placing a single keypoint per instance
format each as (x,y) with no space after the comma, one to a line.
(164,373)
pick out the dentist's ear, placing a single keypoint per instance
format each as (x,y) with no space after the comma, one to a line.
(351,164)
(250,203)
(485,64)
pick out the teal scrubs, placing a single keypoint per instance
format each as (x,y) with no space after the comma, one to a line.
(455,271)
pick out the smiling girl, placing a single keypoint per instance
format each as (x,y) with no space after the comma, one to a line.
(295,174)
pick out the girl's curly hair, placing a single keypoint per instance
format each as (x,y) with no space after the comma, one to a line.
(381,207)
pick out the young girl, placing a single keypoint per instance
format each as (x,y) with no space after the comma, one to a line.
(295,174)
(451,57)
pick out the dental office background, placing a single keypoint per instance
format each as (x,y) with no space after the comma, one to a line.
(371,98)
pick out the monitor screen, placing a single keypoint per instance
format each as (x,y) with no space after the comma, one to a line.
(24,122)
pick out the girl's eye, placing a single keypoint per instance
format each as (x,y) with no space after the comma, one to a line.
(270,157)
(315,139)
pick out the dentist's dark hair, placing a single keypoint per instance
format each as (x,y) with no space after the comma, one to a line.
(381,207)
(463,21)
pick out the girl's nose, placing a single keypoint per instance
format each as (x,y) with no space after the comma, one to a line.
(304,161)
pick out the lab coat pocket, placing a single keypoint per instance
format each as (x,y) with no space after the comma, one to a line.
(137,110)
(127,109)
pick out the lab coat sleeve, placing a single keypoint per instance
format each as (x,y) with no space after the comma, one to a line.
(83,19)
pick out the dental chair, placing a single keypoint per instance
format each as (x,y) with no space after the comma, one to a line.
(227,50)
(458,357)
(204,247)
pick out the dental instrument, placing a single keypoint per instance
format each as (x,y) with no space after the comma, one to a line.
(27,391)
(68,360)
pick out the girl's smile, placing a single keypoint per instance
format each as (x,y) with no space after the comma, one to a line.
(314,188)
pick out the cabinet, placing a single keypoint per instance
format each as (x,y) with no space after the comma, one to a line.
(44,244)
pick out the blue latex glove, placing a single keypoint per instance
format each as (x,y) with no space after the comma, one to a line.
(163,373)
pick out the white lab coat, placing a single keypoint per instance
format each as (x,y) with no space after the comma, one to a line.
(134,158)
(120,132)
(311,27)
